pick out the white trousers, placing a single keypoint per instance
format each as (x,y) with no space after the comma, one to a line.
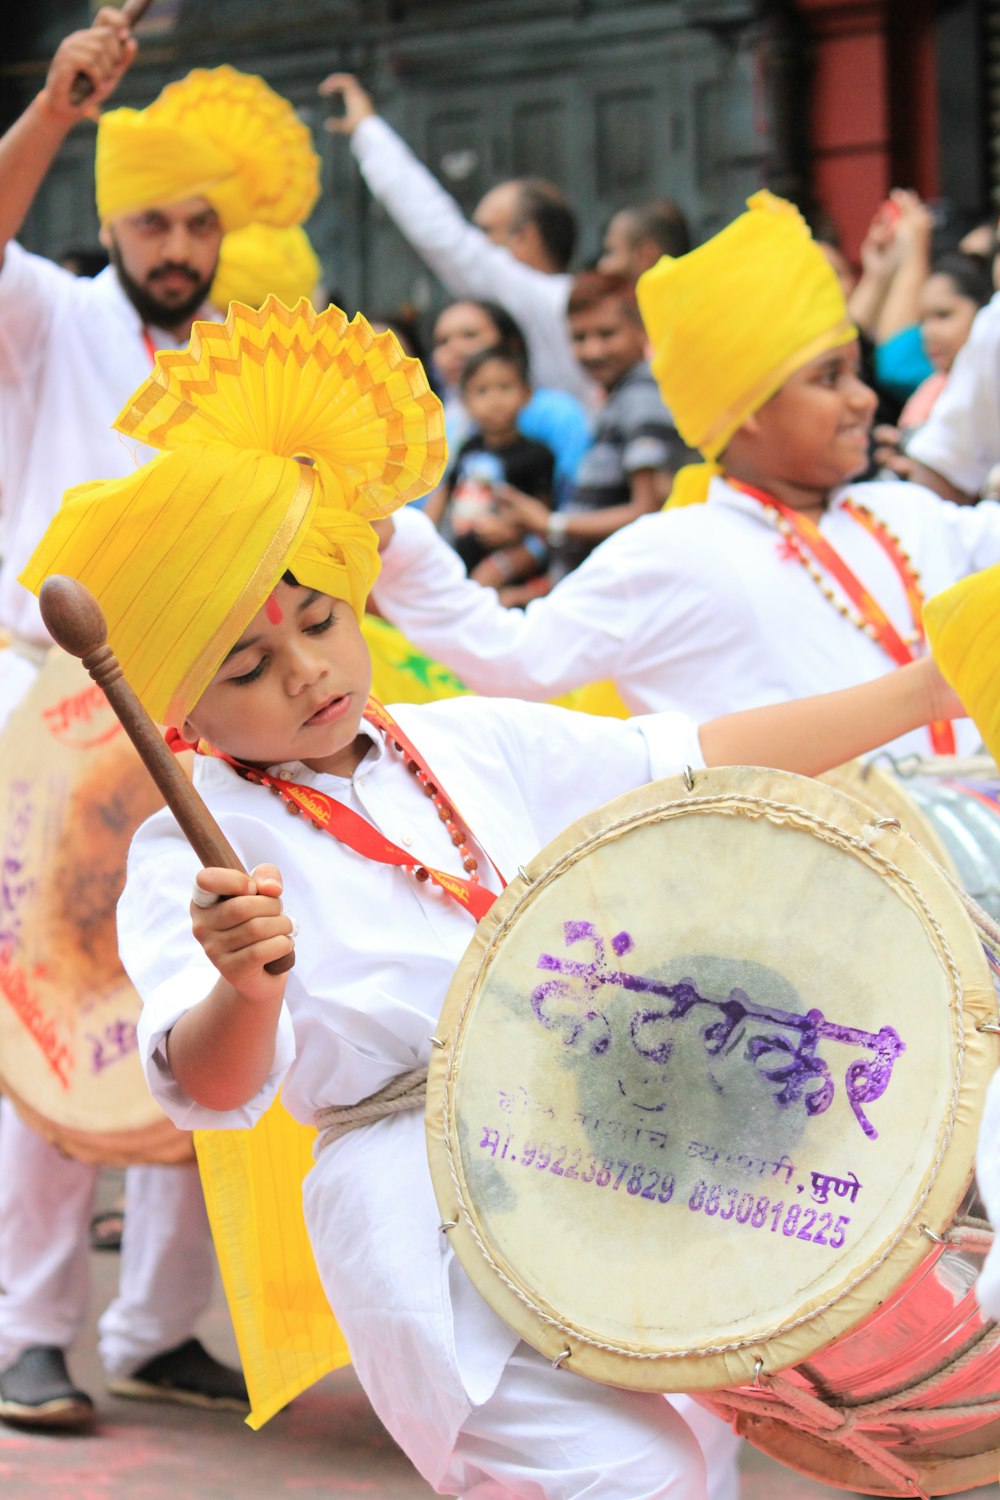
(46,1201)
(551,1435)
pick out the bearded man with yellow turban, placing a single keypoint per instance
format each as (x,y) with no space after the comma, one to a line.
(214,153)
(232,570)
(789,578)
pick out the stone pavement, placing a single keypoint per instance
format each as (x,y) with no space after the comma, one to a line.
(327,1446)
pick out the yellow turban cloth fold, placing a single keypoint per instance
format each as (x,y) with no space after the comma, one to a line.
(182,554)
(963,631)
(732,320)
(260,261)
(216,134)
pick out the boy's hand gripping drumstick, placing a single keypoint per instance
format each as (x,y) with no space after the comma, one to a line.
(74,620)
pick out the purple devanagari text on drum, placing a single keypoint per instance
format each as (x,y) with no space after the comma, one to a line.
(16,885)
(117,1040)
(791,1063)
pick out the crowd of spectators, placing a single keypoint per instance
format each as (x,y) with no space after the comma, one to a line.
(575,344)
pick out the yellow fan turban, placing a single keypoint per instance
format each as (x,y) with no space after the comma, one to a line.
(259,261)
(183,553)
(216,134)
(963,630)
(732,320)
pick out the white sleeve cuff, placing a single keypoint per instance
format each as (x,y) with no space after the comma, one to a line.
(160,1012)
(672,741)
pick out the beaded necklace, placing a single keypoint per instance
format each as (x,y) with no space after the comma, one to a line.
(345,825)
(908,574)
(810,547)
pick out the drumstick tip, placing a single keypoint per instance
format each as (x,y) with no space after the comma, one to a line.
(72,615)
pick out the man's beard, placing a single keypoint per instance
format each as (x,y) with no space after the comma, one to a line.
(146,303)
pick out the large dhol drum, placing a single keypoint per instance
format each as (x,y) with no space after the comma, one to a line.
(703,1118)
(72,792)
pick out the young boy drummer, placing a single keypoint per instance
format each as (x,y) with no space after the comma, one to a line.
(233,569)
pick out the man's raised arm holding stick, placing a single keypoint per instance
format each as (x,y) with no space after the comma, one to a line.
(103,54)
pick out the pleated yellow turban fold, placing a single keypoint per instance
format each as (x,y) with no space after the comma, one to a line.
(216,134)
(259,261)
(732,320)
(963,630)
(182,554)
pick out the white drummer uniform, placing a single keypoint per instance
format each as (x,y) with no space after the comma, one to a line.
(373,960)
(73,349)
(702,609)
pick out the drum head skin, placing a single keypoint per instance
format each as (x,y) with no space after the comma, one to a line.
(72,793)
(706,1072)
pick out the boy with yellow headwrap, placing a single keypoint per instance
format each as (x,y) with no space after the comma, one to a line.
(791,579)
(216,151)
(233,570)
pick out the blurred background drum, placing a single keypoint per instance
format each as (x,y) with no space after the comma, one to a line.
(704,1116)
(72,792)
(951,806)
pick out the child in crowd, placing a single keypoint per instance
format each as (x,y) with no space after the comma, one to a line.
(629,468)
(790,580)
(233,569)
(495,390)
(552,417)
(957,287)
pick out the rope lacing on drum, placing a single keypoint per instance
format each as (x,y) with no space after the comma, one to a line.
(786,1401)
(839,1423)
(789,1403)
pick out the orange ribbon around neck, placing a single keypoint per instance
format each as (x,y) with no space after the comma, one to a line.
(875,621)
(347,826)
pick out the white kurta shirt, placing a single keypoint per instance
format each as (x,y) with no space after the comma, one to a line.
(467,262)
(373,960)
(700,609)
(961,437)
(71,353)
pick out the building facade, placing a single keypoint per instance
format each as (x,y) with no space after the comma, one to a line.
(618,101)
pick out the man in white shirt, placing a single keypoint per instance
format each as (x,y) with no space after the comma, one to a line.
(516,252)
(71,352)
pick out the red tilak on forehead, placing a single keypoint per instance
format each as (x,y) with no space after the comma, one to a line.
(273,610)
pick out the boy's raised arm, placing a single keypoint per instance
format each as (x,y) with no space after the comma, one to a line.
(812,735)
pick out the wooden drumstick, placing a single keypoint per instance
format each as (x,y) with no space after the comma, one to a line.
(83,86)
(74,620)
